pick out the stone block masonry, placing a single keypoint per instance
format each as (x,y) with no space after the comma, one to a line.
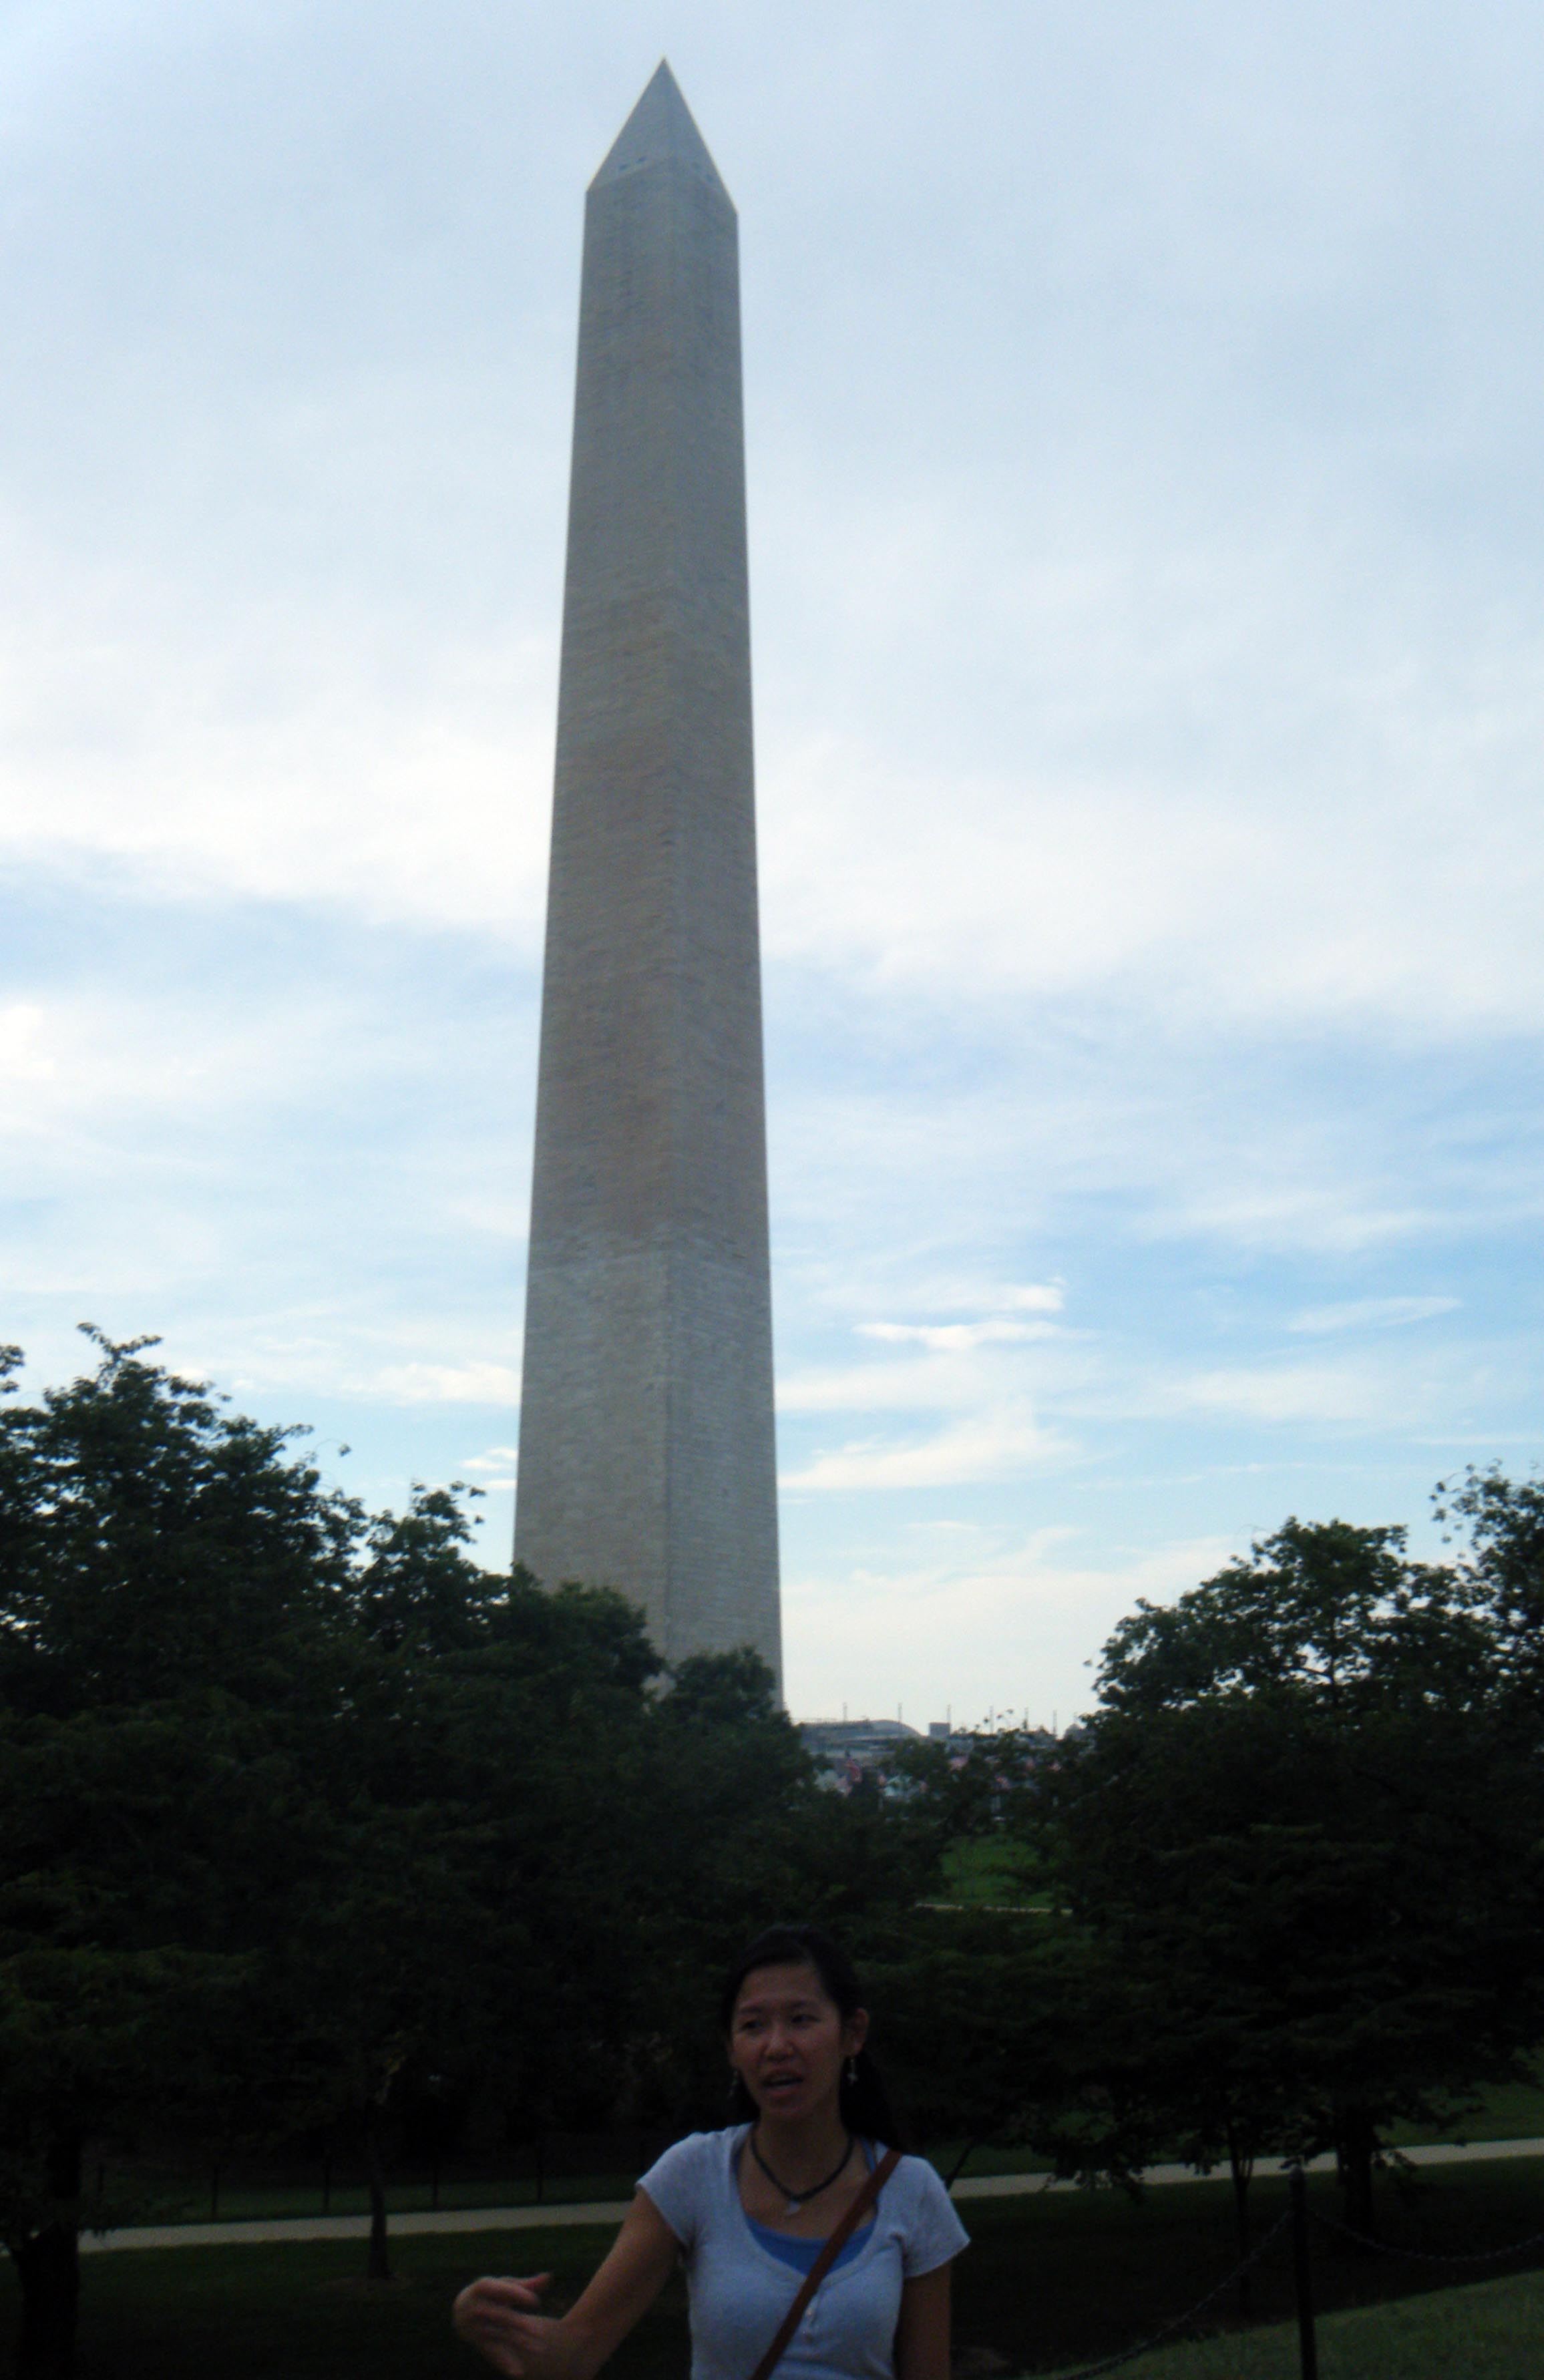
(647,1457)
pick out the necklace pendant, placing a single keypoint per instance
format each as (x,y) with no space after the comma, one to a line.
(792,2207)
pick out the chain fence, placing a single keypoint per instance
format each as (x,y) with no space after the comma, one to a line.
(1192,2314)
(1297,2219)
(1428,2256)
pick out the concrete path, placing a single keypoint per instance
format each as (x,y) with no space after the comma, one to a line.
(605,2213)
(1012,2185)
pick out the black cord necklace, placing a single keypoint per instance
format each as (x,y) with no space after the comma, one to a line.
(797,2198)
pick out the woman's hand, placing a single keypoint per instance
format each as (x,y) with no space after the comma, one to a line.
(502,2319)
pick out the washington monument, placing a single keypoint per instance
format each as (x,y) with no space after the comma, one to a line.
(646,1414)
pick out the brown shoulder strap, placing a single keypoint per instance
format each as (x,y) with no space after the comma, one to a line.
(824,2262)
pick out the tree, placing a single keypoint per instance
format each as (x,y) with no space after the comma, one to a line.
(293,1815)
(1503,1570)
(1283,1822)
(464,1911)
(169,1590)
(308,1817)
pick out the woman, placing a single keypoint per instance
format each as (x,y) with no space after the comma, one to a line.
(749,2209)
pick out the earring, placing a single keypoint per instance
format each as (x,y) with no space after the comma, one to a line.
(852,2072)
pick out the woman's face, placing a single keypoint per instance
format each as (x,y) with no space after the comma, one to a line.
(788,2039)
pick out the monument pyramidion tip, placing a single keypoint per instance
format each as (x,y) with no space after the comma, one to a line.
(660,131)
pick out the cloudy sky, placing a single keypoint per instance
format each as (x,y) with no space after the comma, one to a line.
(1146,406)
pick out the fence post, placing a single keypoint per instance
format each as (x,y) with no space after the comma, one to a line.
(1308,2345)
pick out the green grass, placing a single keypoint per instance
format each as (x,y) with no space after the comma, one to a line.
(305,2313)
(1049,2282)
(1492,2330)
(991,1871)
(1069,2278)
(1508,2111)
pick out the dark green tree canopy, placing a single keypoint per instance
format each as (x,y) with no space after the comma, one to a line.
(1335,1613)
(305,1810)
(1304,1823)
(148,1539)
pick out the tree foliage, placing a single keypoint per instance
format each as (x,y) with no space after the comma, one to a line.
(1304,1824)
(308,1817)
(169,1583)
(310,1820)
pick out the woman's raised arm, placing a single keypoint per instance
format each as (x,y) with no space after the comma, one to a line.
(504,2321)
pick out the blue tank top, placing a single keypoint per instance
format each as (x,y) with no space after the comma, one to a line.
(801,2254)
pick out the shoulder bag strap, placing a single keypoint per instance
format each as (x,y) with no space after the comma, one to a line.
(824,2262)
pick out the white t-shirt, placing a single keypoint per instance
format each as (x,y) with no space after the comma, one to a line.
(740,2291)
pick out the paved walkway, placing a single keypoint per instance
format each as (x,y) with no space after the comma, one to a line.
(605,2213)
(1010,2185)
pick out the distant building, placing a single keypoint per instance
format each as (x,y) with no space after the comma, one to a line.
(845,1751)
(963,1743)
(857,1735)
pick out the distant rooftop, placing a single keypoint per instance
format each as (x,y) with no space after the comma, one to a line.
(870,1727)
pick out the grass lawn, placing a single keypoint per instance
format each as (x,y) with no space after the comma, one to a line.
(1508,2111)
(304,2313)
(1069,2278)
(991,1871)
(1049,2282)
(1493,2330)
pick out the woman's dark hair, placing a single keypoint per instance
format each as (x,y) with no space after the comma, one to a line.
(865,2102)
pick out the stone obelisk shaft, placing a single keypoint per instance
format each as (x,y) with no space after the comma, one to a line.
(646,1420)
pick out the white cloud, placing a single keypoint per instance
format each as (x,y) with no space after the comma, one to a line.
(1381,1397)
(250,753)
(1030,1298)
(469,1384)
(23,1058)
(497,1466)
(1000,1445)
(1021,1616)
(1330,1208)
(1370,1314)
(1349,832)
(957,1337)
(938,1381)
(960,1363)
